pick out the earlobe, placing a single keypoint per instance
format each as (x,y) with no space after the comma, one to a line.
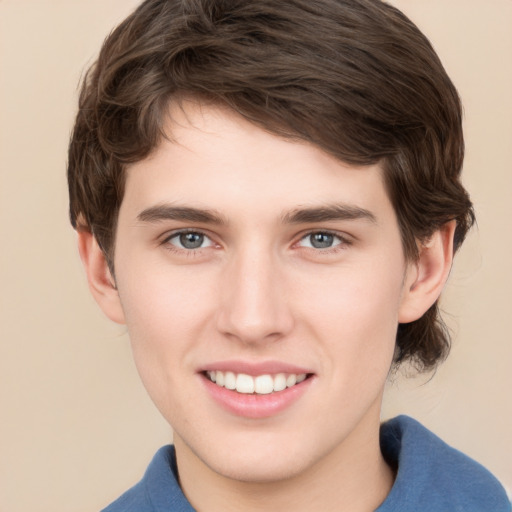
(101,282)
(427,276)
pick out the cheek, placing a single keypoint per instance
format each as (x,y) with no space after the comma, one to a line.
(160,298)
(356,316)
(162,317)
(163,312)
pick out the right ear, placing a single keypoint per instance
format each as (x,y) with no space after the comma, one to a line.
(101,281)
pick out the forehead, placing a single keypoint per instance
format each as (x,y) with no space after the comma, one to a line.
(212,157)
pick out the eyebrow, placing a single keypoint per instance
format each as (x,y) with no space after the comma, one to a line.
(328,213)
(311,215)
(163,212)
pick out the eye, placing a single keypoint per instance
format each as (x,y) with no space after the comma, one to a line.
(321,240)
(189,240)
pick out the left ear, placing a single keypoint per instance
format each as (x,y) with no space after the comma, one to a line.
(426,277)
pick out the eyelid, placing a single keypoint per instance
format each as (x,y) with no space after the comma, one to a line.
(180,231)
(345,240)
(165,239)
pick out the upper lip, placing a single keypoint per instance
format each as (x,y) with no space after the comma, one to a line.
(254,368)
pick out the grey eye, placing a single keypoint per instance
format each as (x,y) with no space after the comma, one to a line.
(191,240)
(321,240)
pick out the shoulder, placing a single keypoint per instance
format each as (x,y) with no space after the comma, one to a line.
(158,491)
(432,473)
(132,500)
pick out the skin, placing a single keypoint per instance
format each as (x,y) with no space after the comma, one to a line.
(257,290)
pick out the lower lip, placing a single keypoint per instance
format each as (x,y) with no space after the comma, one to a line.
(256,406)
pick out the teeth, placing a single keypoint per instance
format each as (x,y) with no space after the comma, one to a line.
(230,380)
(261,385)
(279,382)
(291,380)
(244,383)
(264,384)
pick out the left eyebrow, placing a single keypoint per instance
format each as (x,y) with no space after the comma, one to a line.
(328,213)
(163,212)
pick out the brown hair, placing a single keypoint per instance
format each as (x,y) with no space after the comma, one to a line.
(354,77)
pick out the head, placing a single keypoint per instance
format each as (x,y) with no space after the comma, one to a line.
(214,144)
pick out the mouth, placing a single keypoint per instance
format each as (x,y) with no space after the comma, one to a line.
(256,390)
(265,384)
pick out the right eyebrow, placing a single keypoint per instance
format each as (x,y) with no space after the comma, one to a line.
(164,212)
(329,212)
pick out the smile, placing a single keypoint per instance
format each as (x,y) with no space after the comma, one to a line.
(260,384)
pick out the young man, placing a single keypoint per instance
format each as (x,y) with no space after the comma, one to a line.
(268,195)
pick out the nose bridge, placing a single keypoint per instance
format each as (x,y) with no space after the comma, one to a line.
(254,306)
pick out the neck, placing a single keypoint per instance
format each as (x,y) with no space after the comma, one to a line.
(354,477)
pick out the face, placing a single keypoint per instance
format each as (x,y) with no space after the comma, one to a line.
(275,270)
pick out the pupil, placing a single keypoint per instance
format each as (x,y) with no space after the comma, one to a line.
(191,240)
(321,240)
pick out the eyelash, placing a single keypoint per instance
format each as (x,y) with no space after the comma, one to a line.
(166,242)
(344,242)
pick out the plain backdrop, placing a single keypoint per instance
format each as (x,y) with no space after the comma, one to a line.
(76,427)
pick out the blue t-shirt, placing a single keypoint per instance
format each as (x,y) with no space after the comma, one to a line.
(431,476)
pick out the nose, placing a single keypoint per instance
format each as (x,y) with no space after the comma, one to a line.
(254,306)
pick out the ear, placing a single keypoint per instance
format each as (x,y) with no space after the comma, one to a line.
(101,281)
(426,277)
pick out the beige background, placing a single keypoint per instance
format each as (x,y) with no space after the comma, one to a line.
(76,428)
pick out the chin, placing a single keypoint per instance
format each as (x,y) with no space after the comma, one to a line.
(259,458)
(260,471)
